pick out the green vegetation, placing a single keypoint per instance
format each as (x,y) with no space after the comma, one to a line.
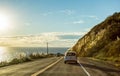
(113,60)
(103,41)
(23,58)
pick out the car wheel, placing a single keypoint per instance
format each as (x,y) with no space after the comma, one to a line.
(65,62)
(75,62)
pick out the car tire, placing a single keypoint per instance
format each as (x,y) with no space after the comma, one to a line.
(75,62)
(65,62)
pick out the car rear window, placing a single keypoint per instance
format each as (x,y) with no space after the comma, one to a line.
(71,54)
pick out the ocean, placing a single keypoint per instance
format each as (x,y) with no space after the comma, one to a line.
(8,53)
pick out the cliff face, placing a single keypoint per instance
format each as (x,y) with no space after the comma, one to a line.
(103,40)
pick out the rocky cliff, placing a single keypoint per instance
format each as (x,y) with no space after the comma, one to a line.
(102,41)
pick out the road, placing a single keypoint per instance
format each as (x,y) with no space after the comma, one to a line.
(26,69)
(62,69)
(99,68)
(93,68)
(86,67)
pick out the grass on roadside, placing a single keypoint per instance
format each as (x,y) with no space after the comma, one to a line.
(113,60)
(23,58)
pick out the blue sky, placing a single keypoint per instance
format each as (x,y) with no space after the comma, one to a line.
(67,20)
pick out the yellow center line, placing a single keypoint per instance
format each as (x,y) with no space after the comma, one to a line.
(44,69)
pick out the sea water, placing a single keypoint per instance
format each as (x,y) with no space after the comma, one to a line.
(8,53)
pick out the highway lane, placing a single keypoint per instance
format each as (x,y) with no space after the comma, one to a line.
(61,69)
(94,68)
(26,69)
(99,68)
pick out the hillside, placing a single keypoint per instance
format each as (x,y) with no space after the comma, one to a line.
(102,41)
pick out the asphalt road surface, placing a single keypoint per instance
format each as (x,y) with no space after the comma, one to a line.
(26,69)
(62,69)
(86,67)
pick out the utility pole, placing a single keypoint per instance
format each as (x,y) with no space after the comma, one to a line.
(47,48)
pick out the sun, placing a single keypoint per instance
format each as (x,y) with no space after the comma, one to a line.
(4,22)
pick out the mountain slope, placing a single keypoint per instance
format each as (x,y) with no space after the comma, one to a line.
(102,41)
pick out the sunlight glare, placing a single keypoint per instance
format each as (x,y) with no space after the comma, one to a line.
(4,22)
(2,53)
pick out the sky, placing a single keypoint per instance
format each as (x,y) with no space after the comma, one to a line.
(59,22)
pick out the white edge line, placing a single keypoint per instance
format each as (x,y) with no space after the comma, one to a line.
(44,69)
(88,74)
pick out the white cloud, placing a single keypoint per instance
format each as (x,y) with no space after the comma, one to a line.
(67,11)
(90,16)
(47,13)
(78,22)
(64,42)
(54,38)
(95,17)
(75,22)
(64,33)
(87,29)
